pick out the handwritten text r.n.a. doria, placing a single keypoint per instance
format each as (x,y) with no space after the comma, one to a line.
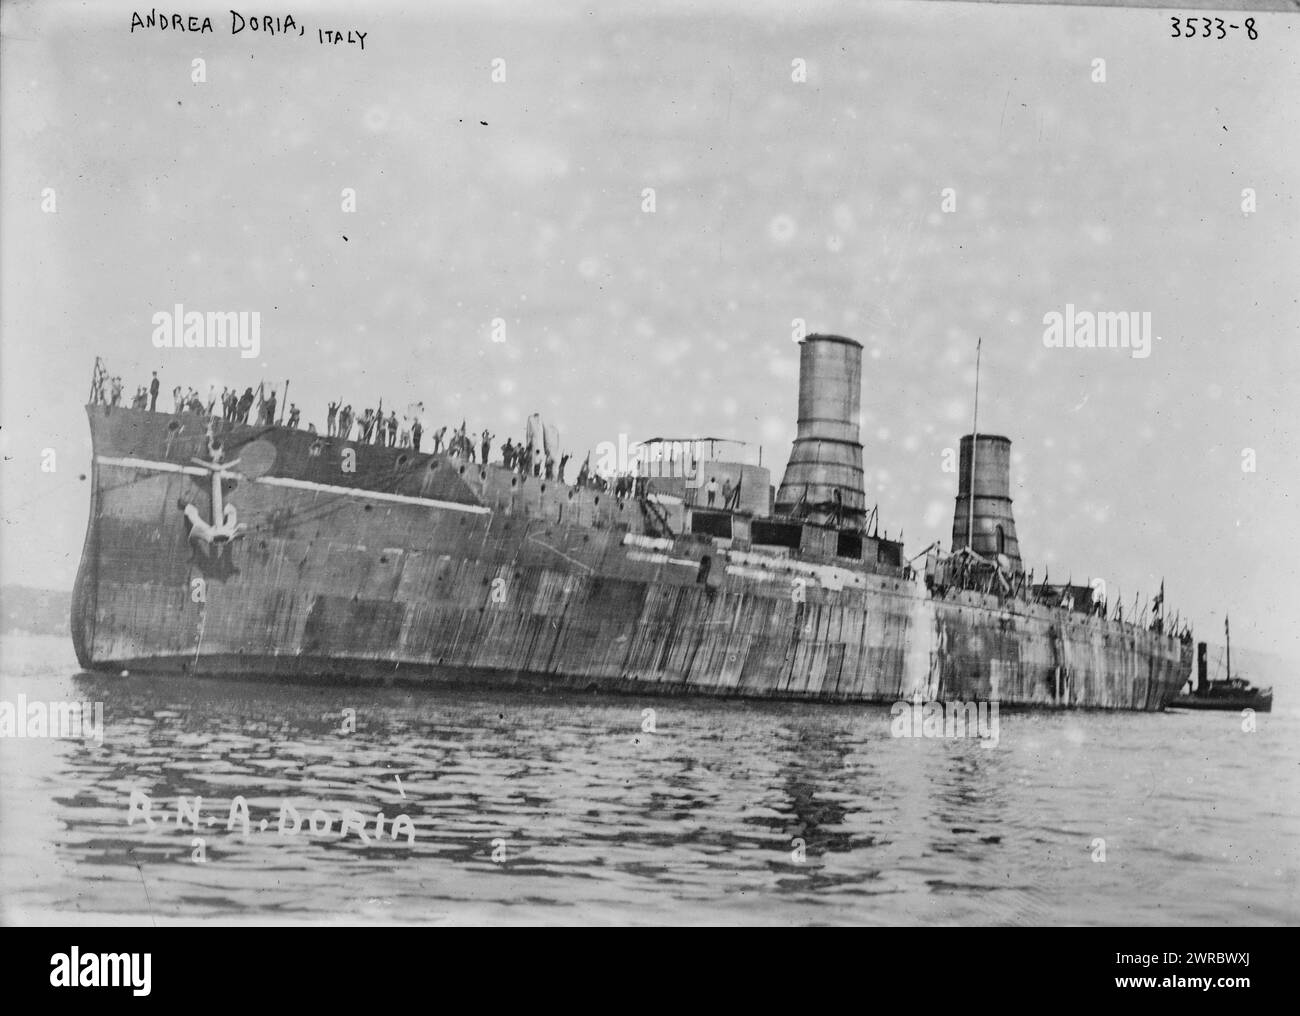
(262,24)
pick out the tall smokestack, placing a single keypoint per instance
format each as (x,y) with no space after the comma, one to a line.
(995,527)
(827,452)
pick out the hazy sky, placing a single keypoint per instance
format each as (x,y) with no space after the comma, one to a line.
(774,200)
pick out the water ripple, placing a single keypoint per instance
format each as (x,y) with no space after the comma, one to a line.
(565,810)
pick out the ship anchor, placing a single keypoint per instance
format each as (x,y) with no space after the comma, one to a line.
(225,525)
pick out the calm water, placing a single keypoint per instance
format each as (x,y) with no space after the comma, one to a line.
(603,822)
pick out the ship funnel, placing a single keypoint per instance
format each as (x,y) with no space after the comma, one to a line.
(995,527)
(825,469)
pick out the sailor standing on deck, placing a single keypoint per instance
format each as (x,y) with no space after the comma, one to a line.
(330,419)
(417,432)
(711,489)
(460,445)
(487,445)
(153,393)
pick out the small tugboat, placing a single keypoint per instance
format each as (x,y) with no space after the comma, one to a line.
(1231,693)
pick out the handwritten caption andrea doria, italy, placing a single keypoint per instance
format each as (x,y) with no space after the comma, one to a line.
(260,24)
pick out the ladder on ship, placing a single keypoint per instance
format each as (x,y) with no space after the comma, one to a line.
(655,517)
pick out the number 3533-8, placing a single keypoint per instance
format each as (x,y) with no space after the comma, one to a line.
(1209,28)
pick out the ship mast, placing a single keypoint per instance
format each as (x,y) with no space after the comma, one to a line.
(974,443)
(1227,638)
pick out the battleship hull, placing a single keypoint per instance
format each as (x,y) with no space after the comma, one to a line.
(355,562)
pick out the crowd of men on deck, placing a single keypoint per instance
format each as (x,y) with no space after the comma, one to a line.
(369,426)
(372,426)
